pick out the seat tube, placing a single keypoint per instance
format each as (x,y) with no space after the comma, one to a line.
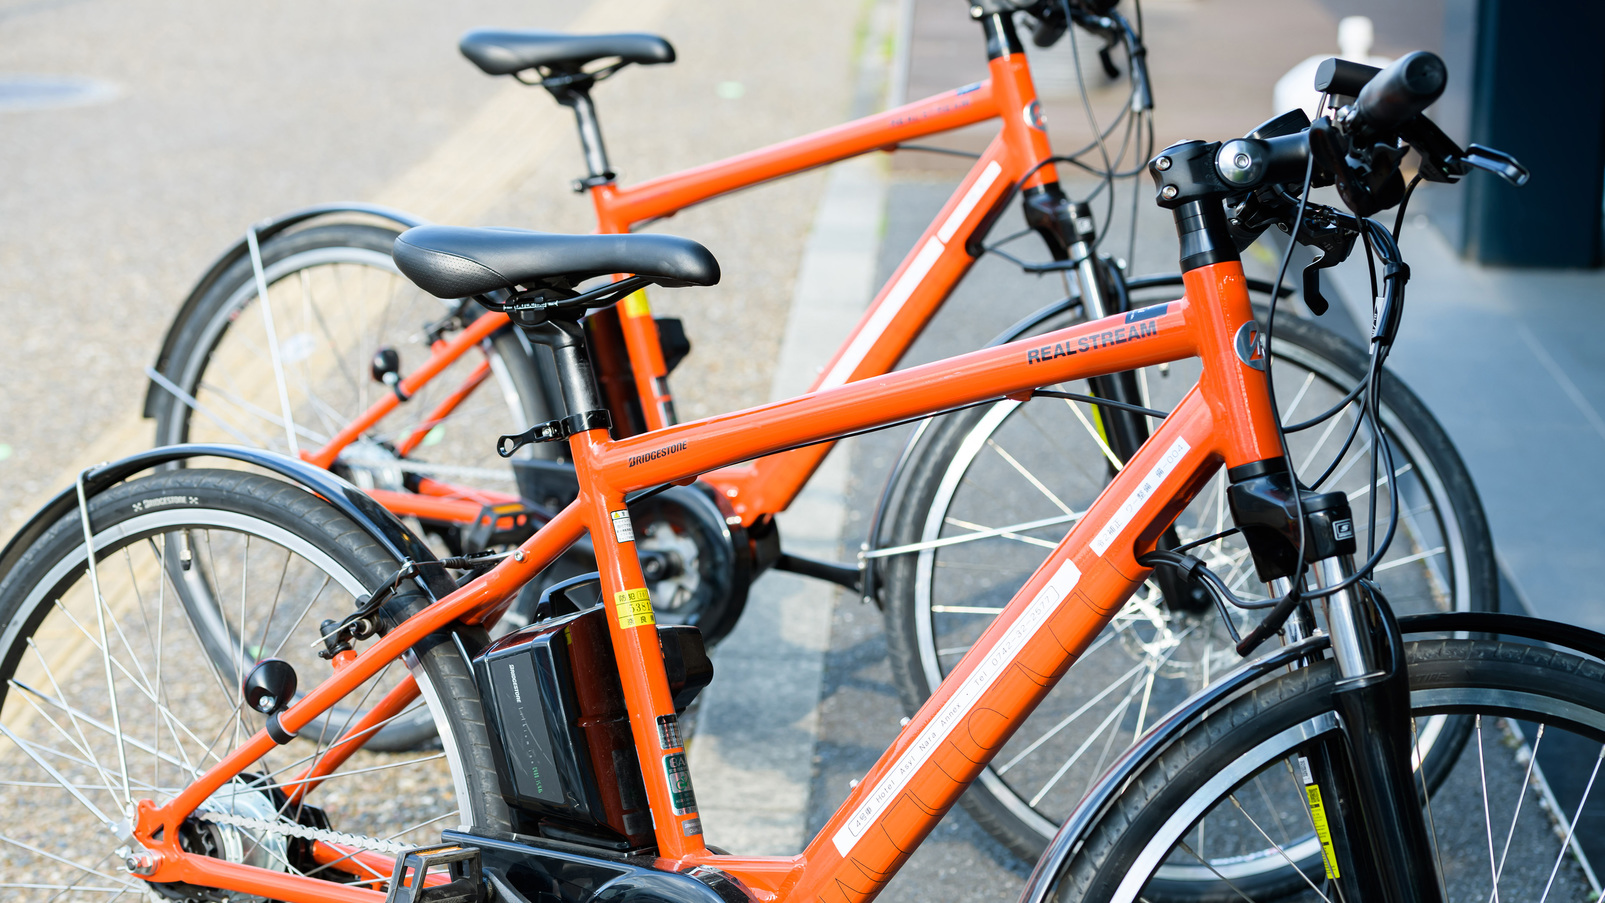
(643,347)
(632,627)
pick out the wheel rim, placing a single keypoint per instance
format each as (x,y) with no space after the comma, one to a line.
(1146,643)
(171,713)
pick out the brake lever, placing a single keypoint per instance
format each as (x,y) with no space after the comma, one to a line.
(1324,232)
(1497,162)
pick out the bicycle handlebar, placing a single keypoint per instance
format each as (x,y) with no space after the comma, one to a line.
(1398,93)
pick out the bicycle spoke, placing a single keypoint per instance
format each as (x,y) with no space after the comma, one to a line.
(1409,559)
(423,824)
(1211,866)
(1028,476)
(100,726)
(1068,719)
(1426,795)
(978,529)
(1097,437)
(1277,847)
(1487,817)
(1521,797)
(277,650)
(1571,829)
(1104,725)
(105,646)
(244,406)
(1289,415)
(1320,443)
(28,750)
(161,710)
(356,771)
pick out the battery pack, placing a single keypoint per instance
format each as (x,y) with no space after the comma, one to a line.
(565,755)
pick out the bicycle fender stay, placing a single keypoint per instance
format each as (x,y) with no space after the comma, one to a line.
(1040,884)
(367,514)
(265,230)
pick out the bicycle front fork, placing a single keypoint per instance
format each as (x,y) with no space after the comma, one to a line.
(1381,795)
(1364,797)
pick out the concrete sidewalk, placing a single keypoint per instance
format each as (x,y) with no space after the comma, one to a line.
(1511,362)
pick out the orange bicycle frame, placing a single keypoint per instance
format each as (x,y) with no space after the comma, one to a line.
(1225,419)
(890,325)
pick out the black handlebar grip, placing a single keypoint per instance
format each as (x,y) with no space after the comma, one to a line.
(1343,77)
(1406,87)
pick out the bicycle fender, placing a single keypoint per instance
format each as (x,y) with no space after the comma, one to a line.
(368,515)
(1072,833)
(265,230)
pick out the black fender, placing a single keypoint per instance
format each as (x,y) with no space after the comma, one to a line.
(265,230)
(367,514)
(893,490)
(1040,885)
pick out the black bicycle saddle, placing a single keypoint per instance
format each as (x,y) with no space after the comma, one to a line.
(456,262)
(501,52)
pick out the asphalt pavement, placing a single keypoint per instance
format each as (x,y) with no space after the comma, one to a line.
(217,115)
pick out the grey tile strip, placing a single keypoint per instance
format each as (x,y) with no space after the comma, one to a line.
(752,754)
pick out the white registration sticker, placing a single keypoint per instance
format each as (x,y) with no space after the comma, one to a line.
(958,705)
(1144,491)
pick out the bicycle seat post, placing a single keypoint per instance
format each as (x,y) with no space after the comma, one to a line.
(577,97)
(566,338)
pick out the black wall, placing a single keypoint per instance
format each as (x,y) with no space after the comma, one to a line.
(1529,79)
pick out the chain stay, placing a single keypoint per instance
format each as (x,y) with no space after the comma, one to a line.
(304,832)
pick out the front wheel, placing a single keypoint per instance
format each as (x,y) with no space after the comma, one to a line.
(994,489)
(1222,812)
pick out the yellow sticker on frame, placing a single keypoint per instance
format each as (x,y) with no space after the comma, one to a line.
(634,608)
(636,305)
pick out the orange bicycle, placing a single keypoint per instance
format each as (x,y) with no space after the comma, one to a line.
(404,395)
(561,770)
(348,366)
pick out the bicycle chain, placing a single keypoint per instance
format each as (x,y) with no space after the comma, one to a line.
(304,832)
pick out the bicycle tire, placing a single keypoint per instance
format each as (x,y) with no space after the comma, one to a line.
(1246,743)
(55,690)
(960,482)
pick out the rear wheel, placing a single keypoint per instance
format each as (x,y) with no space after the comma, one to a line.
(994,488)
(336,300)
(1221,813)
(109,696)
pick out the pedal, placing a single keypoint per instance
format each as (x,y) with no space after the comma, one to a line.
(458,865)
(506,524)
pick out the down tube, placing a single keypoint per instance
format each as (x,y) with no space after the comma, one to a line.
(1013,666)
